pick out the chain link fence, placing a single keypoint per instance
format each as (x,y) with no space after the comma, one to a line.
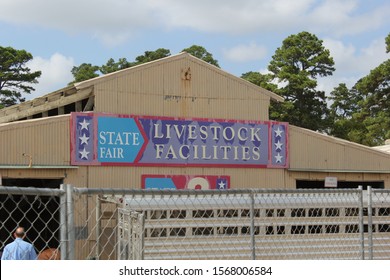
(110,224)
(42,212)
(378,224)
(248,224)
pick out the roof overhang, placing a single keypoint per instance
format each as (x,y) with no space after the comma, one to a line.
(338,171)
(45,103)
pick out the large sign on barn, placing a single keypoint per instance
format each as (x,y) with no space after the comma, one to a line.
(105,139)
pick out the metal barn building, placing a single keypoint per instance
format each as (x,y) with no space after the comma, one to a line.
(174,123)
(188,118)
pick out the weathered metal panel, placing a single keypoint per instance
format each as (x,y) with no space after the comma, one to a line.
(313,151)
(106,96)
(33,173)
(183,87)
(130,177)
(45,141)
(180,88)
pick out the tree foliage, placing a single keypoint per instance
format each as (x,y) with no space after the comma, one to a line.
(201,53)
(112,66)
(84,72)
(261,80)
(362,114)
(344,104)
(149,56)
(374,111)
(15,77)
(87,71)
(296,65)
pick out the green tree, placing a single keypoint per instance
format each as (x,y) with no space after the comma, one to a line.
(374,111)
(296,65)
(149,56)
(261,80)
(88,71)
(15,77)
(345,103)
(112,66)
(84,72)
(363,113)
(201,53)
(109,67)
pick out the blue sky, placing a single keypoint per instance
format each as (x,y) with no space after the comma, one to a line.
(241,34)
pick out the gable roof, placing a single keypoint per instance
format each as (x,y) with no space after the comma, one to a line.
(81,94)
(179,56)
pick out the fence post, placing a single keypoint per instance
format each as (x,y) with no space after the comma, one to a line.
(142,236)
(98,230)
(361,223)
(252,215)
(63,225)
(71,230)
(369,206)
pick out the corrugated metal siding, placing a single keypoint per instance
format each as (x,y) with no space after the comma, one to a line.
(313,151)
(33,173)
(77,177)
(162,90)
(130,177)
(46,140)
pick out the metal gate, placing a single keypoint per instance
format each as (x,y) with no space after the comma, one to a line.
(130,235)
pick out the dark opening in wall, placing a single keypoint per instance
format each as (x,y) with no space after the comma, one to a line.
(320,184)
(38,214)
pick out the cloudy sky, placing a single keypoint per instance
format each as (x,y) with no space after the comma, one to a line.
(241,34)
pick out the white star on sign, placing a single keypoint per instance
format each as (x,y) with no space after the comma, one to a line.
(84,139)
(279,132)
(84,154)
(278,145)
(84,125)
(278,158)
(221,185)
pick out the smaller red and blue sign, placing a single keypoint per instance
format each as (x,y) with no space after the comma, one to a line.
(180,182)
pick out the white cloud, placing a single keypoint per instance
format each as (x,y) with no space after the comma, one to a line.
(350,60)
(352,63)
(244,53)
(114,22)
(238,17)
(347,17)
(110,21)
(56,73)
(230,16)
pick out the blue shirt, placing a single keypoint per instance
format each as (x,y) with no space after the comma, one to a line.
(19,250)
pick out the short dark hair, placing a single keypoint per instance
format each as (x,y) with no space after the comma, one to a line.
(19,232)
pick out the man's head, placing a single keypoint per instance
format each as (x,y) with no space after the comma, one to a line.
(19,232)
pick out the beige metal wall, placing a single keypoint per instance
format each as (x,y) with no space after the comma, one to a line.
(240,178)
(316,152)
(130,177)
(46,140)
(312,157)
(181,86)
(163,89)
